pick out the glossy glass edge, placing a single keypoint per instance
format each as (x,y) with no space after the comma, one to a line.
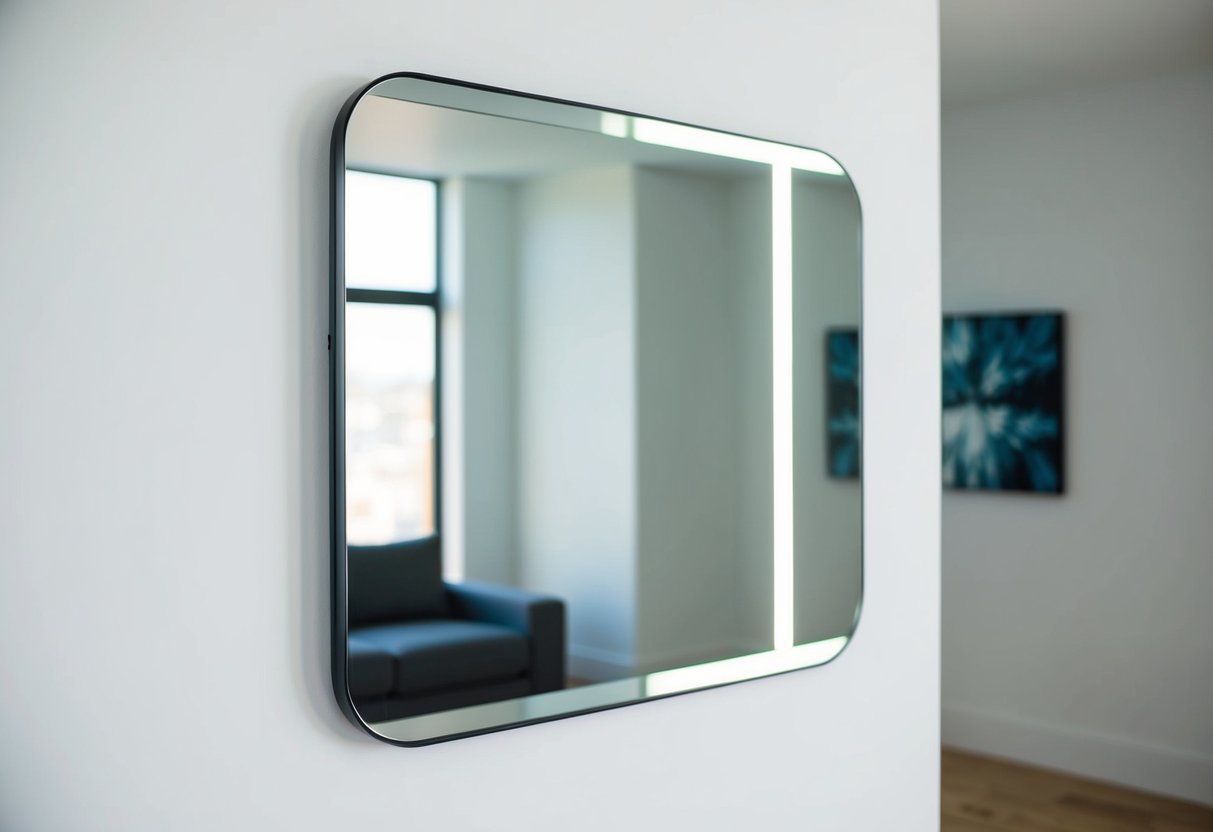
(483,719)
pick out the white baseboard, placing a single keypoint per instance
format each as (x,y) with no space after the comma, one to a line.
(1149,768)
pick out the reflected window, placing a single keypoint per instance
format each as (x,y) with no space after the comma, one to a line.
(391,232)
(391,361)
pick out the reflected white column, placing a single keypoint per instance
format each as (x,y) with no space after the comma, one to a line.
(452,200)
(781,387)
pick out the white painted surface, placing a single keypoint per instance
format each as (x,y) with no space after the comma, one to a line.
(631,384)
(752,206)
(1087,618)
(163,585)
(576,422)
(411,139)
(828,510)
(999,50)
(688,428)
(479,381)
(636,370)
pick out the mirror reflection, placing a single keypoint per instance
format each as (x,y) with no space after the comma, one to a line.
(598,402)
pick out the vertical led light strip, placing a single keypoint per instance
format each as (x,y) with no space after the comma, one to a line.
(782,160)
(781,402)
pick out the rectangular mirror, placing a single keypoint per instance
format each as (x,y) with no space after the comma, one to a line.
(596,408)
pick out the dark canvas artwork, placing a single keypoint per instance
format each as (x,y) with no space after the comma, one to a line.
(842,403)
(1002,402)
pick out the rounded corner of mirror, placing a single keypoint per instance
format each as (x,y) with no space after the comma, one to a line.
(360,92)
(339,681)
(846,172)
(345,702)
(843,177)
(849,637)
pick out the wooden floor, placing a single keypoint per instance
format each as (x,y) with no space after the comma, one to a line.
(981,794)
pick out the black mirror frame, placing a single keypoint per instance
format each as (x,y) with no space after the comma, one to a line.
(339,629)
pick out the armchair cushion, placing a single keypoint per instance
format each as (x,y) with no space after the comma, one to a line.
(540,616)
(396,582)
(371,670)
(435,654)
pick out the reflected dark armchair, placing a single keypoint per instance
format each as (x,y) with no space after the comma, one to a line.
(418,644)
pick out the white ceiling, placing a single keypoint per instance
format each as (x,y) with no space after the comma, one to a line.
(998,49)
(386,135)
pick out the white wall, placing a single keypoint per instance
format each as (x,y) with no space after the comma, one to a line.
(163,579)
(688,426)
(828,510)
(576,420)
(751,208)
(479,380)
(1077,630)
(630,387)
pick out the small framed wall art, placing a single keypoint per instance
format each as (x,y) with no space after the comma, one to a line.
(1003,402)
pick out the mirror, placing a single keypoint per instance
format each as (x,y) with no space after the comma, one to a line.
(596,408)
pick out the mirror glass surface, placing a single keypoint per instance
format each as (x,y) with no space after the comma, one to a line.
(596,408)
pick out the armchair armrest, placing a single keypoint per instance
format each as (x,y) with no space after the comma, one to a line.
(541,617)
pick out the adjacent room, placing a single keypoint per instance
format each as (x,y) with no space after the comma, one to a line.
(1077,182)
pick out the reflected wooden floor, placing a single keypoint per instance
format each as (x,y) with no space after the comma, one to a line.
(981,794)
